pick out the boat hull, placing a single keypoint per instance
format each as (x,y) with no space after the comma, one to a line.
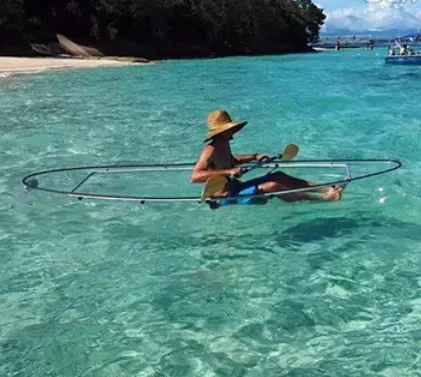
(404,59)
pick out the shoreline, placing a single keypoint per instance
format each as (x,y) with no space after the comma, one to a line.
(65,54)
(13,66)
(22,65)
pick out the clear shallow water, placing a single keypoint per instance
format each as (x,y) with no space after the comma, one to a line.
(110,289)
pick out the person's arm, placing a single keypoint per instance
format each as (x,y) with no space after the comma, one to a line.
(243,159)
(201,171)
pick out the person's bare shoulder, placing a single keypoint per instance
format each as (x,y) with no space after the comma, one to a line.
(205,158)
(203,163)
(206,155)
(208,150)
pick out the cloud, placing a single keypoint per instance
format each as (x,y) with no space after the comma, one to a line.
(378,16)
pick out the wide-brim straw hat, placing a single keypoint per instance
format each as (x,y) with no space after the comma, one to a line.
(219,121)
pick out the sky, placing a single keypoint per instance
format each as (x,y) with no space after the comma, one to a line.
(375,15)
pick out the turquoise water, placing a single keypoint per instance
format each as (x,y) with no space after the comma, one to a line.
(96,288)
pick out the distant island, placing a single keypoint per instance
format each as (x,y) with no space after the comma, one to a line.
(158,29)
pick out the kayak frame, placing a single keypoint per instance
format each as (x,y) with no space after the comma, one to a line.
(30,182)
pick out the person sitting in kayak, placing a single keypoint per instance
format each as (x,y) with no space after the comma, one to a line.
(216,159)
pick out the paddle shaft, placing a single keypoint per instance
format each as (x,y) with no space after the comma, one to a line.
(259,164)
(290,151)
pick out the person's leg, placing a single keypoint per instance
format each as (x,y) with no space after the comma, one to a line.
(294,182)
(281,182)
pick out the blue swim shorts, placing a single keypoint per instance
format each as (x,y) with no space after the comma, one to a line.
(249,187)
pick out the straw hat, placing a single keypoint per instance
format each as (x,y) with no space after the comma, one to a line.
(219,121)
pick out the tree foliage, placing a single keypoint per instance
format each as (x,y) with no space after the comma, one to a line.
(169,26)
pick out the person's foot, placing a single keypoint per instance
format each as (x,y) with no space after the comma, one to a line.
(333,194)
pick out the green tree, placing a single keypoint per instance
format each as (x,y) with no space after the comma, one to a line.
(168,27)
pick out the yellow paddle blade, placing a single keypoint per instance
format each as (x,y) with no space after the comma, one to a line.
(290,151)
(213,186)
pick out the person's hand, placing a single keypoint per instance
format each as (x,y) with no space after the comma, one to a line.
(236,172)
(262,157)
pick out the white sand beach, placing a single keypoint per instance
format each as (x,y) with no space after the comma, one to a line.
(17,65)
